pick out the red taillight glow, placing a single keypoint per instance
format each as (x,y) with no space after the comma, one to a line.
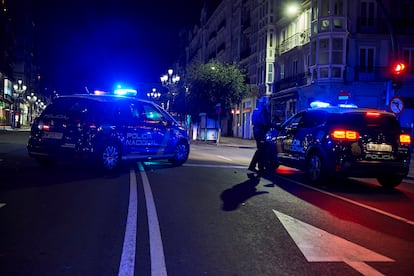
(405,139)
(373,114)
(349,135)
(46,127)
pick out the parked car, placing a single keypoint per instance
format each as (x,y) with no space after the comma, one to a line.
(106,129)
(337,141)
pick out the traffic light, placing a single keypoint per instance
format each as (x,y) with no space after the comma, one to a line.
(399,68)
(397,73)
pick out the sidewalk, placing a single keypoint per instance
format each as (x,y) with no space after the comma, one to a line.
(246,143)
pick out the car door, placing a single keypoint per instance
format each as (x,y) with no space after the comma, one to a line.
(152,129)
(286,139)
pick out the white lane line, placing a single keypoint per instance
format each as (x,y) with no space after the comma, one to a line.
(225,158)
(158,267)
(214,166)
(353,202)
(127,264)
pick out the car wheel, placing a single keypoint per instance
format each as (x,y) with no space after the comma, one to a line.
(314,168)
(390,181)
(181,153)
(110,157)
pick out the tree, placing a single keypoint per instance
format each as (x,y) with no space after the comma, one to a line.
(213,83)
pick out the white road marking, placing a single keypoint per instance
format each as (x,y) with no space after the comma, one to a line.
(158,267)
(225,158)
(2,204)
(318,245)
(353,202)
(215,166)
(127,264)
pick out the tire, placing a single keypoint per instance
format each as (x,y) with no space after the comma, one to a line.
(110,157)
(390,181)
(181,152)
(315,168)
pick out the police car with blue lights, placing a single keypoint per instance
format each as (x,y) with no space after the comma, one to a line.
(106,129)
(342,141)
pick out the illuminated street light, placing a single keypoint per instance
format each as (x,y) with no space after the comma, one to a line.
(19,88)
(154,94)
(170,81)
(32,100)
(292,9)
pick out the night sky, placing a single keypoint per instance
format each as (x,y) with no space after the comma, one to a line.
(99,43)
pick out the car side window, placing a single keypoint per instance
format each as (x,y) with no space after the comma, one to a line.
(313,119)
(151,114)
(294,122)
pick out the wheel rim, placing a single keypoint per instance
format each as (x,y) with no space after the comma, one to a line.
(110,157)
(314,169)
(181,152)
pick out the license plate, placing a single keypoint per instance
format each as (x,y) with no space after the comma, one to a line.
(52,135)
(379,147)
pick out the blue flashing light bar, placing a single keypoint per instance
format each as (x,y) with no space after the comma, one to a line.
(125,92)
(348,105)
(317,104)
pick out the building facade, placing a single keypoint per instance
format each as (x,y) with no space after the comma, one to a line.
(331,50)
(331,46)
(19,76)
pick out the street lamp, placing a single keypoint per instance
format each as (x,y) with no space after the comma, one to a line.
(154,94)
(170,81)
(32,100)
(19,88)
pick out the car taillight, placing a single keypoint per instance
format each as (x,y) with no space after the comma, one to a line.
(373,114)
(405,139)
(46,127)
(346,135)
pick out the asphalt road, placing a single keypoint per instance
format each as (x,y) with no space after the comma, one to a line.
(208,217)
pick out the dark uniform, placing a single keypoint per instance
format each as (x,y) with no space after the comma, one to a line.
(261,125)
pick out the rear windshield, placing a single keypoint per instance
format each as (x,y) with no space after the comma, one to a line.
(365,120)
(70,109)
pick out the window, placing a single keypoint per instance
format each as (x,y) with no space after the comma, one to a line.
(367,13)
(338,7)
(323,51)
(408,15)
(152,114)
(337,50)
(324,7)
(409,60)
(295,68)
(366,60)
(270,72)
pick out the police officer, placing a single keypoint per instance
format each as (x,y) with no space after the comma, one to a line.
(261,124)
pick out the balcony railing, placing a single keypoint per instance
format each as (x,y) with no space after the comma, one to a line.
(295,40)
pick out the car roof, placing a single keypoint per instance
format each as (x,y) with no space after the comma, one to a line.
(102,98)
(342,110)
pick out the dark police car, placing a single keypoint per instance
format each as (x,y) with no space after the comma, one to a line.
(341,141)
(106,129)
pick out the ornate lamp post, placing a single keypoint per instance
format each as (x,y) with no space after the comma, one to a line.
(170,81)
(32,100)
(154,94)
(19,88)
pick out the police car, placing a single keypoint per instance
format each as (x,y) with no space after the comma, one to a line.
(107,129)
(346,141)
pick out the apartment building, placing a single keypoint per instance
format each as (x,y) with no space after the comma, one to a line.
(241,32)
(330,50)
(343,51)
